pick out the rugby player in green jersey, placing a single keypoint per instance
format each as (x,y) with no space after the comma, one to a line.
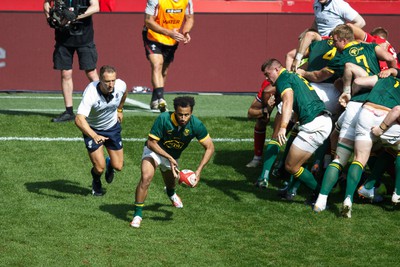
(171,133)
(364,55)
(318,51)
(301,57)
(315,124)
(392,118)
(384,96)
(349,54)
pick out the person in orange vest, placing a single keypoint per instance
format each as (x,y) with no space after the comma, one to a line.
(167,23)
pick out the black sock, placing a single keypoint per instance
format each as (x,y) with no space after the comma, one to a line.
(95,176)
(170,192)
(159,92)
(69,110)
(153,95)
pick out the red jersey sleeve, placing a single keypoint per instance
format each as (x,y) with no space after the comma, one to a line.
(260,92)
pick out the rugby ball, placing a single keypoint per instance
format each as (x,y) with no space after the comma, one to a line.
(188,178)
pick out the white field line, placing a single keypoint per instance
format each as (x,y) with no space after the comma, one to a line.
(61,110)
(136,103)
(129,101)
(75,139)
(36,97)
(35,110)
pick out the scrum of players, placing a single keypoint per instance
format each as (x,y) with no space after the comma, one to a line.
(350,77)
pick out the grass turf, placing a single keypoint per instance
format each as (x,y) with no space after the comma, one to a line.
(49,218)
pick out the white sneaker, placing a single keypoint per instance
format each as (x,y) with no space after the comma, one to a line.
(136,221)
(395,198)
(162,105)
(367,193)
(154,104)
(320,204)
(370,194)
(255,162)
(176,201)
(346,211)
(261,183)
(159,104)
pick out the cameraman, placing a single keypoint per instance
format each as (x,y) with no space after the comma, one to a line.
(73,24)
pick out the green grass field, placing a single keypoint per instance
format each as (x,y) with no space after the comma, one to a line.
(49,218)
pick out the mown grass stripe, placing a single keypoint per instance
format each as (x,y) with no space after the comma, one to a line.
(74,139)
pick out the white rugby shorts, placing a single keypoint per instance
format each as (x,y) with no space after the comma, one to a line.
(161,162)
(328,93)
(348,120)
(311,135)
(370,117)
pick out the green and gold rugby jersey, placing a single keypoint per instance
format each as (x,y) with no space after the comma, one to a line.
(320,52)
(360,96)
(361,54)
(173,138)
(386,92)
(306,103)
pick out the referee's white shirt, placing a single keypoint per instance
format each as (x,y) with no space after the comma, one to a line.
(99,114)
(336,12)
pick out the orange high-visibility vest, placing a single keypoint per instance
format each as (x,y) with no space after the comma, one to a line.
(170,16)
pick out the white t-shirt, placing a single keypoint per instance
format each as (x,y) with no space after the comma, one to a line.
(330,15)
(99,114)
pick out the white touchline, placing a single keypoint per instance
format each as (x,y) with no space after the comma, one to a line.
(38,97)
(128,101)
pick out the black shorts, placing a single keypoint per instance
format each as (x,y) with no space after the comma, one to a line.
(114,141)
(63,57)
(152,47)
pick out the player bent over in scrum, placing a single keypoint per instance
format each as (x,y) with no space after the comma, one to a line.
(315,123)
(383,97)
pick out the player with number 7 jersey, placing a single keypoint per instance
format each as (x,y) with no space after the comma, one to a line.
(361,54)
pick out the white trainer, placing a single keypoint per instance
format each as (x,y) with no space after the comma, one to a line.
(136,221)
(346,211)
(176,201)
(320,203)
(162,105)
(395,198)
(154,105)
(255,162)
(370,194)
(367,193)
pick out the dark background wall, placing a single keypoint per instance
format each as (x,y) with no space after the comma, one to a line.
(225,54)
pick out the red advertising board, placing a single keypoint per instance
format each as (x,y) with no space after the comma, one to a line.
(225,54)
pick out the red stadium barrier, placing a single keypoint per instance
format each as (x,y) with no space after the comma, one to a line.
(229,6)
(225,54)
